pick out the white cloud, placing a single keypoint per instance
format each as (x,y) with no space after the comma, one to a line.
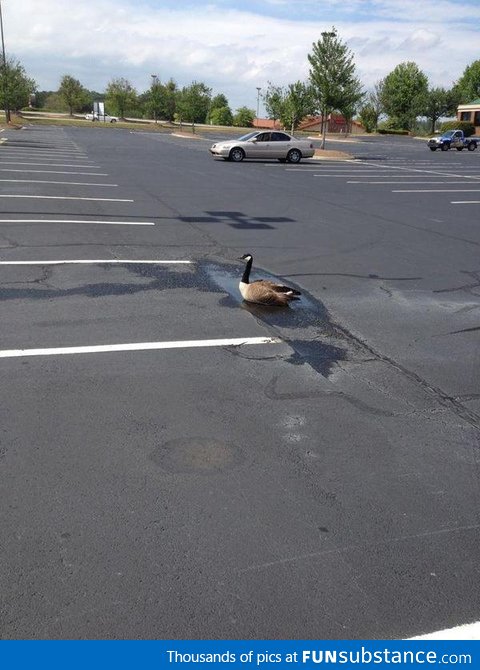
(233,51)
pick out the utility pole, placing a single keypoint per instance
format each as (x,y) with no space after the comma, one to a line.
(258,100)
(154,92)
(5,84)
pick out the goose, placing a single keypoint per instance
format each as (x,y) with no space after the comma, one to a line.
(263,291)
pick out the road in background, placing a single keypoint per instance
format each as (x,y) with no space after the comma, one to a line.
(319,480)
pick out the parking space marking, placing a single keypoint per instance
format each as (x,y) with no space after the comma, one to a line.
(437,173)
(96,222)
(96,261)
(459,183)
(47,181)
(465,202)
(76,165)
(66,197)
(469,631)
(438,190)
(139,346)
(88,174)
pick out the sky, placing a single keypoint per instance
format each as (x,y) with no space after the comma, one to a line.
(234,46)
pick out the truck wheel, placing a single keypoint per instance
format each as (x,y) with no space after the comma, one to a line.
(472,146)
(445,147)
(433,148)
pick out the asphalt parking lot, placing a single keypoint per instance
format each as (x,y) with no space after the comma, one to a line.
(177,464)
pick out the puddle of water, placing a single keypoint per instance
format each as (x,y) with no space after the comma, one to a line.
(301,324)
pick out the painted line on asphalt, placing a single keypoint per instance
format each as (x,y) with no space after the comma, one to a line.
(48,181)
(459,183)
(42,153)
(469,631)
(138,346)
(97,222)
(97,261)
(465,202)
(438,190)
(77,165)
(437,173)
(88,174)
(65,197)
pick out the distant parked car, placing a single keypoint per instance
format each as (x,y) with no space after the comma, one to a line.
(262,144)
(107,118)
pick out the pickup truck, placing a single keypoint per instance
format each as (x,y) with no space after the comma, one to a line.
(454,139)
(106,118)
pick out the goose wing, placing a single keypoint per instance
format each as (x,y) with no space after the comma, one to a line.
(280,288)
(263,293)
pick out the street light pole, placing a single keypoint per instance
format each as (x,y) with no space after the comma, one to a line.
(5,85)
(154,84)
(258,100)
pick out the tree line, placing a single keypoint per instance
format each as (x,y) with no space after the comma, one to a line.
(397,101)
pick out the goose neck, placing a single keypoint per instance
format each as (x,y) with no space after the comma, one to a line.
(246,272)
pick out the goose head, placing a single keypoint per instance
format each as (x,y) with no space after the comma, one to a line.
(246,257)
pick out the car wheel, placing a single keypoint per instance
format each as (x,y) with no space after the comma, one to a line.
(433,148)
(113,120)
(445,147)
(294,156)
(472,146)
(237,154)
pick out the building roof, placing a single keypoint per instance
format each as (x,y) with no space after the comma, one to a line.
(474,103)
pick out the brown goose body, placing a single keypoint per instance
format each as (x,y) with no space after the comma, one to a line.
(263,291)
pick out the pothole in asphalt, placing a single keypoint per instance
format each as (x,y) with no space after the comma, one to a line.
(197,455)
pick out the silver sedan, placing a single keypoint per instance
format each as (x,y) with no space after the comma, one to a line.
(263,144)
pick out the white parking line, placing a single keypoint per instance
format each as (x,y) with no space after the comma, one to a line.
(459,183)
(469,631)
(465,202)
(41,153)
(89,174)
(66,197)
(96,261)
(48,181)
(438,190)
(437,173)
(100,223)
(76,165)
(138,346)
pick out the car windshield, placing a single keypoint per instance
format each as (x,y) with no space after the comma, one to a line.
(248,136)
(449,133)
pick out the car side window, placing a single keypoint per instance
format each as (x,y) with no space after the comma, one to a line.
(280,137)
(264,137)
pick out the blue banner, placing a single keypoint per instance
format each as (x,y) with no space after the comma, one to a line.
(235,655)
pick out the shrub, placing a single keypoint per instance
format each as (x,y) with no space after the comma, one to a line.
(467,127)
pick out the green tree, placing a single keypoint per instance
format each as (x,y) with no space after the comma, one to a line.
(404,94)
(169,100)
(220,113)
(297,103)
(244,117)
(15,86)
(73,93)
(438,102)
(332,77)
(467,87)
(221,116)
(273,100)
(120,96)
(219,101)
(193,103)
(154,99)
